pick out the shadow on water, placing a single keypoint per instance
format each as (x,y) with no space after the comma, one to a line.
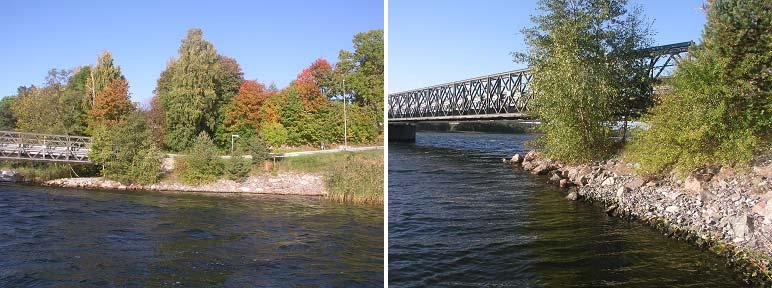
(459,217)
(61,237)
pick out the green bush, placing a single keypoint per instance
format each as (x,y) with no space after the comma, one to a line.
(253,146)
(694,125)
(237,168)
(274,134)
(202,164)
(126,152)
(718,111)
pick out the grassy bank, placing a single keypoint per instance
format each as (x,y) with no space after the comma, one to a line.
(38,172)
(352,177)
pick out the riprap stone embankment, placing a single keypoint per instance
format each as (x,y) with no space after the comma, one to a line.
(281,184)
(725,210)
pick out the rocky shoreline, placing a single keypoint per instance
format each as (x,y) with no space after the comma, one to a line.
(281,184)
(727,211)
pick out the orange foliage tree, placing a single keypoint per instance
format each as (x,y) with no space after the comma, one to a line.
(244,111)
(111,103)
(312,82)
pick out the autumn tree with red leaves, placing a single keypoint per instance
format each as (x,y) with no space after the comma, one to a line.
(313,84)
(243,114)
(111,103)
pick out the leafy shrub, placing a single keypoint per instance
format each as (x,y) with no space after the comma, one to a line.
(237,168)
(202,163)
(274,134)
(126,152)
(253,146)
(694,125)
(718,112)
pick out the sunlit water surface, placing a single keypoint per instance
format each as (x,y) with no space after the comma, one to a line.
(77,238)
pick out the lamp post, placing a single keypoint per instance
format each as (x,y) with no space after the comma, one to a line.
(232,137)
(345,119)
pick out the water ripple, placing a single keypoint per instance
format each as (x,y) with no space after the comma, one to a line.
(459,218)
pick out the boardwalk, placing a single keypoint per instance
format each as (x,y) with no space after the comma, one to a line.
(44,147)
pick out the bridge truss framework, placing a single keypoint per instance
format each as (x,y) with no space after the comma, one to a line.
(499,96)
(44,147)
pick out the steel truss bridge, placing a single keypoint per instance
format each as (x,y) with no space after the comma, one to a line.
(44,147)
(500,96)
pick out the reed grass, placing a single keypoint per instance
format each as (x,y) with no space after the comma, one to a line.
(350,177)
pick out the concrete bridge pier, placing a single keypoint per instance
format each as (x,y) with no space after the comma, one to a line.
(401,132)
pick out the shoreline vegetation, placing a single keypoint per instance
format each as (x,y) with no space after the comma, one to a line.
(700,168)
(725,211)
(346,177)
(221,127)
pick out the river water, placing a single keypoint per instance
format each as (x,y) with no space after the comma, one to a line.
(67,238)
(459,217)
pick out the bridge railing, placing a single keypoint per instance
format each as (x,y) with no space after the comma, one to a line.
(44,147)
(502,95)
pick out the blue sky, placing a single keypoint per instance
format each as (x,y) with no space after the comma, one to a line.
(272,40)
(438,41)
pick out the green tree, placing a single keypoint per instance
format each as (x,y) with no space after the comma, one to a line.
(718,111)
(44,109)
(156,116)
(229,80)
(72,101)
(126,151)
(274,134)
(363,70)
(191,105)
(576,53)
(7,119)
(292,116)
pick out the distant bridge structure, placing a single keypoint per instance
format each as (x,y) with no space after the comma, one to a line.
(21,146)
(499,96)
